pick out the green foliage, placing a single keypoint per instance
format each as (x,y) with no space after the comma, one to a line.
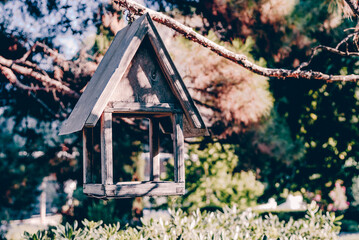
(270,150)
(21,146)
(229,223)
(355,191)
(211,181)
(323,116)
(39,235)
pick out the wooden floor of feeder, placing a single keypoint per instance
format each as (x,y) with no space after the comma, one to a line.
(135,189)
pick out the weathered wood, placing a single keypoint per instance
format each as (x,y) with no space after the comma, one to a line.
(154,149)
(178,148)
(135,189)
(136,68)
(101,86)
(120,63)
(190,132)
(87,135)
(144,81)
(175,80)
(94,189)
(43,204)
(139,115)
(137,107)
(136,78)
(106,149)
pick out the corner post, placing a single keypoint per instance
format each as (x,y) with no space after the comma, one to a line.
(154,149)
(106,149)
(87,136)
(178,148)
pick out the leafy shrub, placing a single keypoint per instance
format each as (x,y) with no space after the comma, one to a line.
(211,180)
(229,224)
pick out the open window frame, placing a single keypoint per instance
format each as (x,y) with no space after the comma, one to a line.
(162,117)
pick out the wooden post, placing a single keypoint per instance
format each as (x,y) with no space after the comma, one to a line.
(43,202)
(178,147)
(87,135)
(106,149)
(154,150)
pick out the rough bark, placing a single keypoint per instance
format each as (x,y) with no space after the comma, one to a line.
(240,59)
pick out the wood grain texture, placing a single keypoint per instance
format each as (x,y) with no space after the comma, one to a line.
(134,189)
(106,149)
(154,131)
(144,81)
(178,148)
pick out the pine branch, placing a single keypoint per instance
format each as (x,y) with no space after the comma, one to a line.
(240,59)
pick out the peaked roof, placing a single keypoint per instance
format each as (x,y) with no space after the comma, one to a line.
(113,66)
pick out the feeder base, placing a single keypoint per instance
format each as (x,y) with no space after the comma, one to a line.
(134,189)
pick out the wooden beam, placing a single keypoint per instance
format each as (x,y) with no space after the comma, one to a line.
(137,107)
(105,79)
(134,189)
(174,79)
(178,148)
(87,135)
(106,149)
(154,149)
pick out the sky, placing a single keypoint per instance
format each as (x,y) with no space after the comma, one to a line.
(68,36)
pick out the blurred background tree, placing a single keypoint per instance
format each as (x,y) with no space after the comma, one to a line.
(313,122)
(296,134)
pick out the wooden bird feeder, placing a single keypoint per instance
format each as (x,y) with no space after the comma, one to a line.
(136,77)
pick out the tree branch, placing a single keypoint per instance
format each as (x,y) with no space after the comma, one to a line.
(58,58)
(44,79)
(240,59)
(10,75)
(353,4)
(346,39)
(336,51)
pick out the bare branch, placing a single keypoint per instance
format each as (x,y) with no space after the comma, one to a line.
(27,54)
(240,59)
(10,75)
(44,79)
(346,39)
(58,58)
(336,51)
